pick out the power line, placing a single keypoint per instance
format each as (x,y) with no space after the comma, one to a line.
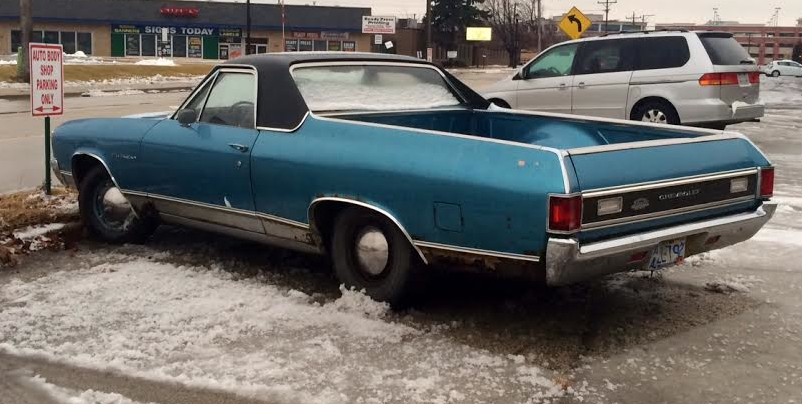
(606,4)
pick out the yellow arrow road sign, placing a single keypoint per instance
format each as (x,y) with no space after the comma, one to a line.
(574,23)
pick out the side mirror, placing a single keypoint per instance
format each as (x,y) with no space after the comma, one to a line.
(519,75)
(186,117)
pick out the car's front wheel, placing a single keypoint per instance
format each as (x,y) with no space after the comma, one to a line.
(775,73)
(107,214)
(371,253)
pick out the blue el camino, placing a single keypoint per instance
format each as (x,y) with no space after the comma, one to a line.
(390,165)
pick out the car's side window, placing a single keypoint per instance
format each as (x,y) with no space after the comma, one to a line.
(231,101)
(197,101)
(554,63)
(661,52)
(605,56)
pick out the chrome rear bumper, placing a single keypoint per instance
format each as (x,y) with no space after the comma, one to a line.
(568,261)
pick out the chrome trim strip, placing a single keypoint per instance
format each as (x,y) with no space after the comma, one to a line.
(477,251)
(649,143)
(282,220)
(666,213)
(396,111)
(310,215)
(267,128)
(592,193)
(133,193)
(665,81)
(96,157)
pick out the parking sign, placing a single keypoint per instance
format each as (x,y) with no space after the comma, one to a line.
(46,64)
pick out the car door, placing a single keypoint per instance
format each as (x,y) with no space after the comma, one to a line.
(796,69)
(546,82)
(201,171)
(602,72)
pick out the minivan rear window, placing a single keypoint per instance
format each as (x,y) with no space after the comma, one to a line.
(723,49)
(661,52)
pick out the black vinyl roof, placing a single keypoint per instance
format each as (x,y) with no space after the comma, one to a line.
(281,104)
(211,13)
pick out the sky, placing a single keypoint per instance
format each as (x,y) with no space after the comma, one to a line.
(696,11)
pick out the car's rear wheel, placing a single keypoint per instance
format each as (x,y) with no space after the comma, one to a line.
(371,253)
(656,112)
(107,214)
(775,73)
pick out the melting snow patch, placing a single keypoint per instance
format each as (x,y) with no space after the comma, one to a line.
(101,93)
(204,328)
(31,232)
(736,283)
(68,396)
(156,62)
(789,237)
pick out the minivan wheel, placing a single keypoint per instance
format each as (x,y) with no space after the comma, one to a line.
(775,73)
(656,112)
(107,214)
(370,253)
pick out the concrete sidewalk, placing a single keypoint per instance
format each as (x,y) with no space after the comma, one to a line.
(78,91)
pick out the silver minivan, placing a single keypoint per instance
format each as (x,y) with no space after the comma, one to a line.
(674,77)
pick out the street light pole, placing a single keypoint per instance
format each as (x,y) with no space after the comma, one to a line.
(429,29)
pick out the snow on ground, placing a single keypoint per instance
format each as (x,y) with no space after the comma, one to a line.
(67,396)
(156,62)
(252,338)
(132,82)
(100,93)
(31,232)
(781,90)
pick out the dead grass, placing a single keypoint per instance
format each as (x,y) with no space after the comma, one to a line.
(107,72)
(30,208)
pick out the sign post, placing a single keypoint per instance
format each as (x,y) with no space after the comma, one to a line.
(574,23)
(46,64)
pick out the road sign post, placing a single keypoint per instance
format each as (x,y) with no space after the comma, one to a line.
(574,23)
(46,64)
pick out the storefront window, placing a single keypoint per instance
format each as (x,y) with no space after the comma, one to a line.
(132,45)
(321,45)
(335,46)
(349,46)
(305,45)
(148,45)
(37,37)
(290,45)
(68,42)
(85,42)
(51,37)
(16,40)
(195,47)
(179,46)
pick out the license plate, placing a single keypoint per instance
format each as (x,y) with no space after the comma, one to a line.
(667,253)
(743,79)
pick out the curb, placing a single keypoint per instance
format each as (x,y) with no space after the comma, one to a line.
(24,95)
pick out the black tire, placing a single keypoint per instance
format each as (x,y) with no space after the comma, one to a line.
(500,103)
(394,283)
(775,73)
(93,188)
(662,111)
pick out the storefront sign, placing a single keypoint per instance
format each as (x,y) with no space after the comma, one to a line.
(478,34)
(309,35)
(180,11)
(175,30)
(334,35)
(195,47)
(378,25)
(377,39)
(47,79)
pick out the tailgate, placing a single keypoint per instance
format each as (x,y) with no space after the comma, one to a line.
(665,180)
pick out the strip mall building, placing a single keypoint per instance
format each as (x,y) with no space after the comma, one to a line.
(193,29)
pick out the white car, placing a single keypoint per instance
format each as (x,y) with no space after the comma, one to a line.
(674,77)
(782,68)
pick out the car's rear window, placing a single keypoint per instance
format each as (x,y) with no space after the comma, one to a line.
(723,49)
(372,87)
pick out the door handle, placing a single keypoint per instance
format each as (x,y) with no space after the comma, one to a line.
(238,147)
(581,84)
(562,86)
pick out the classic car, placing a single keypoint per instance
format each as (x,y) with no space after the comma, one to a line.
(391,165)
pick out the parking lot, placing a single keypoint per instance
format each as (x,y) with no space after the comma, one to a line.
(192,317)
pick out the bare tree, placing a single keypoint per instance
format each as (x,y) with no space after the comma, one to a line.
(506,17)
(26,26)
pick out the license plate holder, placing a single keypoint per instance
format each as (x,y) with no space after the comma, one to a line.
(743,80)
(667,253)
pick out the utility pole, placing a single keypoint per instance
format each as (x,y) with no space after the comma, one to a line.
(633,18)
(606,4)
(643,21)
(539,27)
(26,26)
(247,27)
(429,31)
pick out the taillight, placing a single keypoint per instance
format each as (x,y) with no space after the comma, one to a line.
(565,213)
(766,182)
(719,79)
(754,78)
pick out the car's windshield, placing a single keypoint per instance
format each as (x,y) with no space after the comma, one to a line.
(373,87)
